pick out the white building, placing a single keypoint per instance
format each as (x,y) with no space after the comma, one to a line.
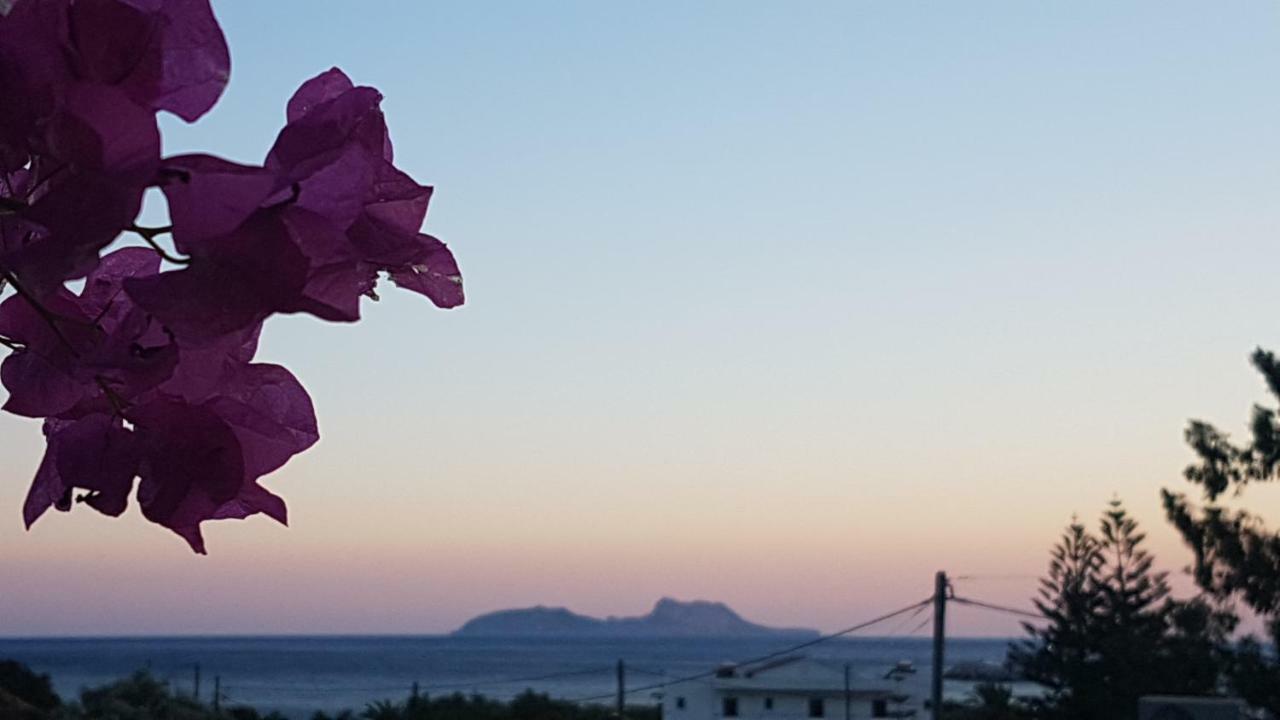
(792,688)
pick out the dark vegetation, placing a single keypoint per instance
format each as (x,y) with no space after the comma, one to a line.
(1113,633)
(24,695)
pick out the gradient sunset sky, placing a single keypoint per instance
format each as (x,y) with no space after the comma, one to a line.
(787,305)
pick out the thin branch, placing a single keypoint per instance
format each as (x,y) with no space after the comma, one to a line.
(117,403)
(149,235)
(151,231)
(41,310)
(106,308)
(45,179)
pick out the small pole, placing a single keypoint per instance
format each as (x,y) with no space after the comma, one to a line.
(622,688)
(217,693)
(413,697)
(848,695)
(939,639)
(195,692)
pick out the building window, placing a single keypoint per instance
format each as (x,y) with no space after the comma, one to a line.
(879,709)
(768,703)
(729,707)
(817,708)
(679,703)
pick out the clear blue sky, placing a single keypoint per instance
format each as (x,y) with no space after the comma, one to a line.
(783,304)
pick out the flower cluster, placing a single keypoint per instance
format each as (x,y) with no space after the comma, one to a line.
(147,373)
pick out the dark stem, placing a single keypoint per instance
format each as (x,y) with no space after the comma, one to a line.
(117,403)
(149,235)
(45,179)
(41,310)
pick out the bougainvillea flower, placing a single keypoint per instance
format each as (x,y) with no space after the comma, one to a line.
(200,436)
(336,136)
(148,375)
(94,453)
(235,281)
(210,197)
(104,151)
(202,461)
(307,232)
(82,81)
(166,54)
(87,351)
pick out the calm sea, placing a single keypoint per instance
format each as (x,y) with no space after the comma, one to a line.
(299,675)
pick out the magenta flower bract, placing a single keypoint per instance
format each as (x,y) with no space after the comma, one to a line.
(147,374)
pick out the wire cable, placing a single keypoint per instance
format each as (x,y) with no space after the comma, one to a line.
(998,608)
(764,658)
(920,627)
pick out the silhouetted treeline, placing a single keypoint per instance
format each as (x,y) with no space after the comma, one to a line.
(25,695)
(1113,633)
(527,706)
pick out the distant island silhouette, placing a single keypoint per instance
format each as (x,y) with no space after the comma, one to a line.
(669,618)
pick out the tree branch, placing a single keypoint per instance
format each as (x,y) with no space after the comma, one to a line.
(41,310)
(117,403)
(149,235)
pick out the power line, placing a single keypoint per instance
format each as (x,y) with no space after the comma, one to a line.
(897,628)
(896,633)
(769,656)
(921,626)
(998,608)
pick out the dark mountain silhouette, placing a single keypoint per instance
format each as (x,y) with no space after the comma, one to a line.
(667,619)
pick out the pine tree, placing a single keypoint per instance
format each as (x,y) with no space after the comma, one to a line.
(1112,632)
(1061,654)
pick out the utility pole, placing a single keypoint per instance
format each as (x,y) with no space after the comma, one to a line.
(217,693)
(622,688)
(848,695)
(939,638)
(195,692)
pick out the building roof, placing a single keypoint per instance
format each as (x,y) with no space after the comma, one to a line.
(825,692)
(791,675)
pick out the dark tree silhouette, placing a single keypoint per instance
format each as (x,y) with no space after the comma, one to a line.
(1061,655)
(1113,633)
(1236,556)
(989,701)
(25,687)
